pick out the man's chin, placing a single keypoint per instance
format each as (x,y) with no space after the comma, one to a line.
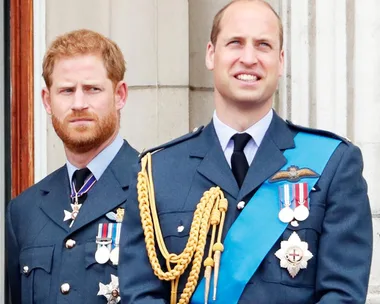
(81,146)
(248,100)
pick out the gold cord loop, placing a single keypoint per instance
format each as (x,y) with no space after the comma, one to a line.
(210,211)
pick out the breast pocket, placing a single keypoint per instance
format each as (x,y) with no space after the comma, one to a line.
(175,229)
(308,231)
(96,273)
(35,269)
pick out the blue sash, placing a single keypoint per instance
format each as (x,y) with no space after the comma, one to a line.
(261,215)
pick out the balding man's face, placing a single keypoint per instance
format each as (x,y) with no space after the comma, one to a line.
(246,60)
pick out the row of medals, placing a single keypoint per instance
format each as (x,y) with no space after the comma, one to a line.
(103,253)
(288,214)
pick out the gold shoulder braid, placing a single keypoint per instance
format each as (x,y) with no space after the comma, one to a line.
(211,210)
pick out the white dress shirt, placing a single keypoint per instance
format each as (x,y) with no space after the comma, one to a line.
(257,132)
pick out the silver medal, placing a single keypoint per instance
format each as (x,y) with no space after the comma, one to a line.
(286,215)
(301,213)
(114,257)
(102,255)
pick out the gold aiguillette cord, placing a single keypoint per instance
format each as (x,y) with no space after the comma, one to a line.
(210,210)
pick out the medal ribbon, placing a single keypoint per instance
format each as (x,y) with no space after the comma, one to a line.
(109,235)
(116,235)
(244,252)
(301,195)
(286,193)
(104,232)
(84,189)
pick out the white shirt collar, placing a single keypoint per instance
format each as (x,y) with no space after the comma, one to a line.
(257,131)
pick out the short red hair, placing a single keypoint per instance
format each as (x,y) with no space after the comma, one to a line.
(83,42)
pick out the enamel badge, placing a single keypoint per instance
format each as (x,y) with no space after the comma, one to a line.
(73,214)
(294,254)
(116,216)
(110,291)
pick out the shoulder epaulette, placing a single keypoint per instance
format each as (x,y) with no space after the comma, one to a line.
(318,132)
(173,142)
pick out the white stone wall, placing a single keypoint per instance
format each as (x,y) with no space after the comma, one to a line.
(330,82)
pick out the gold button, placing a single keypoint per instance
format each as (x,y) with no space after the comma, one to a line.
(70,243)
(65,288)
(25,269)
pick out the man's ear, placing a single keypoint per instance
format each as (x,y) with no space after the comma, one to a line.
(210,52)
(121,95)
(281,71)
(46,100)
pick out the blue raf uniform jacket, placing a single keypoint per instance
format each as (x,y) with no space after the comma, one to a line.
(338,230)
(39,261)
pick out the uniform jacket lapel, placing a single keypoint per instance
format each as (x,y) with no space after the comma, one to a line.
(269,157)
(213,165)
(268,160)
(55,196)
(110,191)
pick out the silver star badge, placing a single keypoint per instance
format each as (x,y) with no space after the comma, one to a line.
(111,290)
(294,254)
(73,214)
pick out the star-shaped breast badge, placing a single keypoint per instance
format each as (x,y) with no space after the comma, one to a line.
(110,291)
(294,254)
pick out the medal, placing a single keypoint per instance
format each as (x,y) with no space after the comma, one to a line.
(294,254)
(110,291)
(74,196)
(301,212)
(104,241)
(73,214)
(102,254)
(114,257)
(286,213)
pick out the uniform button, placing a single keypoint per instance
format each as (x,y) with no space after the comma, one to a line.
(180,228)
(65,288)
(195,130)
(25,269)
(240,205)
(70,243)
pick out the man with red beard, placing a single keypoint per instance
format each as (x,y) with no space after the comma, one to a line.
(63,233)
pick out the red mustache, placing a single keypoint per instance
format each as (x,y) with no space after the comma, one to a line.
(81,116)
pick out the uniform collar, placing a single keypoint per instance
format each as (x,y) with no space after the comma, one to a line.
(101,161)
(257,131)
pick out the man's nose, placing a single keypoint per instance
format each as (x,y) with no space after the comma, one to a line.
(249,55)
(79,102)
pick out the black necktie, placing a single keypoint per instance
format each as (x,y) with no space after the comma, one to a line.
(239,162)
(80,177)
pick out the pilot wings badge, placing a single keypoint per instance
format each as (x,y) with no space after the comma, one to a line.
(293,174)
